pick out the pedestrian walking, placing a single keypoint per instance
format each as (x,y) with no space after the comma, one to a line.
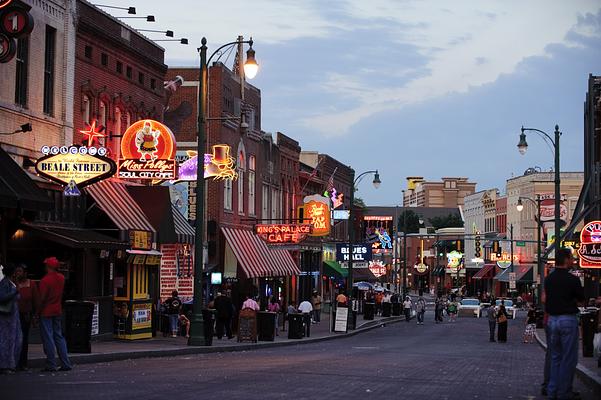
(438,308)
(530,325)
(341,300)
(274,307)
(407,305)
(28,298)
(502,318)
(316,301)
(10,326)
(173,306)
(420,307)
(491,316)
(452,307)
(224,311)
(563,292)
(306,309)
(50,310)
(379,299)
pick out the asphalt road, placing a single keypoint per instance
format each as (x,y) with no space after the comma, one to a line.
(399,361)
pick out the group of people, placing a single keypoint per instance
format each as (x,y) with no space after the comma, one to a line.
(24,302)
(448,304)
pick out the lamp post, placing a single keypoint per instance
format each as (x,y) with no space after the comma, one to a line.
(539,267)
(351,231)
(250,69)
(523,146)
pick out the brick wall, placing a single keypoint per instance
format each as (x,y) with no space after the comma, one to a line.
(172,279)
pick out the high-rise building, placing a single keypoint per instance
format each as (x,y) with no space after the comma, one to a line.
(449,192)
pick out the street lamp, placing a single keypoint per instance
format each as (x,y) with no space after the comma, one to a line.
(351,231)
(539,267)
(523,146)
(196,322)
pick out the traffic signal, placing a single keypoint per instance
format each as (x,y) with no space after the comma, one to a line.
(496,248)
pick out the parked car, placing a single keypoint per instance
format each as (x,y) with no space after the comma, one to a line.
(511,310)
(469,307)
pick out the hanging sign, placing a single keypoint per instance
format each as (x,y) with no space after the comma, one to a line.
(317,213)
(75,165)
(361,252)
(283,233)
(377,267)
(504,260)
(421,268)
(220,165)
(454,261)
(590,245)
(148,152)
(140,240)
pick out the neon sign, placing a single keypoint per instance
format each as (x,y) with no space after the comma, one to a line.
(504,260)
(454,259)
(590,245)
(336,198)
(283,233)
(148,152)
(219,165)
(377,267)
(317,212)
(93,133)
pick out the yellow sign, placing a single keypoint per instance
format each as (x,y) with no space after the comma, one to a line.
(317,214)
(141,316)
(82,169)
(141,240)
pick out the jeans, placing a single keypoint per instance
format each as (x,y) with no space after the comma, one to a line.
(317,315)
(173,318)
(407,314)
(491,328)
(547,371)
(224,324)
(563,342)
(25,325)
(52,336)
(420,316)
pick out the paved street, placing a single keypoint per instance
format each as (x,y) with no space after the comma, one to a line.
(403,360)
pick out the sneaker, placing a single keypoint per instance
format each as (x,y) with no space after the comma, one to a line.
(65,369)
(173,335)
(46,369)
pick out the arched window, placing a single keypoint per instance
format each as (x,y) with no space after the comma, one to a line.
(102,113)
(127,120)
(86,109)
(117,126)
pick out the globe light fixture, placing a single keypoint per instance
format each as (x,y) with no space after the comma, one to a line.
(377,182)
(250,66)
(522,145)
(520,206)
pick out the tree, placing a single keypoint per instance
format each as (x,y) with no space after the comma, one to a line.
(412,222)
(359,203)
(448,221)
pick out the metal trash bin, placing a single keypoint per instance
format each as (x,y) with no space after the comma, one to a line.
(295,326)
(78,326)
(386,309)
(266,326)
(369,311)
(540,317)
(352,321)
(396,309)
(208,319)
(588,320)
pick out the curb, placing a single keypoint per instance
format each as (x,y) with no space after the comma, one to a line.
(78,359)
(587,376)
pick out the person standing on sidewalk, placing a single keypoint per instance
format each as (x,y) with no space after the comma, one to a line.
(438,305)
(51,297)
(10,330)
(224,310)
(491,315)
(173,305)
(316,301)
(28,298)
(563,292)
(274,307)
(502,318)
(407,308)
(420,307)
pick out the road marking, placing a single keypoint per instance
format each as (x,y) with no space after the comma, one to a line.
(365,348)
(86,383)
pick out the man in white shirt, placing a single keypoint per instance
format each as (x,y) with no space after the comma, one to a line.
(305,307)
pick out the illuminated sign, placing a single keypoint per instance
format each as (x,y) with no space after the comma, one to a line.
(317,213)
(421,268)
(216,278)
(93,133)
(219,165)
(4,3)
(341,214)
(140,240)
(75,165)
(148,152)
(283,233)
(590,245)
(454,259)
(382,241)
(377,218)
(361,252)
(547,207)
(377,267)
(336,198)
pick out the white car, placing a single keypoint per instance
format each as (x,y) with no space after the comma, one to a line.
(511,310)
(469,307)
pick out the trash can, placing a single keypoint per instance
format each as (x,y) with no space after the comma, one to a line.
(307,324)
(295,326)
(386,309)
(396,309)
(369,311)
(540,317)
(352,321)
(208,319)
(588,320)
(78,326)
(266,326)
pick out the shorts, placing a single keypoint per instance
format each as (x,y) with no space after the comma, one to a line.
(530,329)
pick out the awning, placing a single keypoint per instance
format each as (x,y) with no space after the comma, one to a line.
(112,198)
(486,272)
(183,230)
(17,190)
(333,268)
(256,258)
(144,257)
(363,274)
(76,238)
(523,273)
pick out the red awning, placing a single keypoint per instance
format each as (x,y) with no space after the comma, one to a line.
(486,272)
(256,258)
(113,198)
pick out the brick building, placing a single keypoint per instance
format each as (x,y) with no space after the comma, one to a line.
(449,192)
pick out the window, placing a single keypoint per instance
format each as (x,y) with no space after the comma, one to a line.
(227,194)
(49,58)
(265,203)
(102,113)
(119,67)
(127,120)
(87,51)
(86,109)
(128,72)
(274,204)
(117,126)
(240,192)
(22,65)
(140,78)
(104,59)
(251,185)
(153,83)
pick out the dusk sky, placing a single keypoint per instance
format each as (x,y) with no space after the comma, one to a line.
(426,88)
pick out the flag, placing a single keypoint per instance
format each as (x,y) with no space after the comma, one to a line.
(330,185)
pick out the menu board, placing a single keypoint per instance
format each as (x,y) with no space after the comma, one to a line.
(341,319)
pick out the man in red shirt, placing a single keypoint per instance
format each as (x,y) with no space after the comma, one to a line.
(51,295)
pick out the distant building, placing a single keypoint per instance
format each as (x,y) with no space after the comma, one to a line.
(449,192)
(480,219)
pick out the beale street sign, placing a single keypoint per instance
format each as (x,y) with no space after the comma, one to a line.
(281,234)
(590,245)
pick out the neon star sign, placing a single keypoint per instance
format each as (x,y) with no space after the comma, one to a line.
(93,133)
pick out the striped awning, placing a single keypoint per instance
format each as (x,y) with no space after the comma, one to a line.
(486,272)
(183,230)
(112,198)
(256,258)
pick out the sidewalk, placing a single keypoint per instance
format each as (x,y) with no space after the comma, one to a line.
(586,369)
(113,350)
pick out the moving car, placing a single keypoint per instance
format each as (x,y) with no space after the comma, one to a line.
(511,310)
(469,307)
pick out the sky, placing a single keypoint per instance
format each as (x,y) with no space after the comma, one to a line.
(409,87)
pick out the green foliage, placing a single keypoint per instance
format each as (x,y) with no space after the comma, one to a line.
(448,221)
(358,202)
(412,222)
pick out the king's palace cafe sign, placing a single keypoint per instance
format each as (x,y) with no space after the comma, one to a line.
(283,233)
